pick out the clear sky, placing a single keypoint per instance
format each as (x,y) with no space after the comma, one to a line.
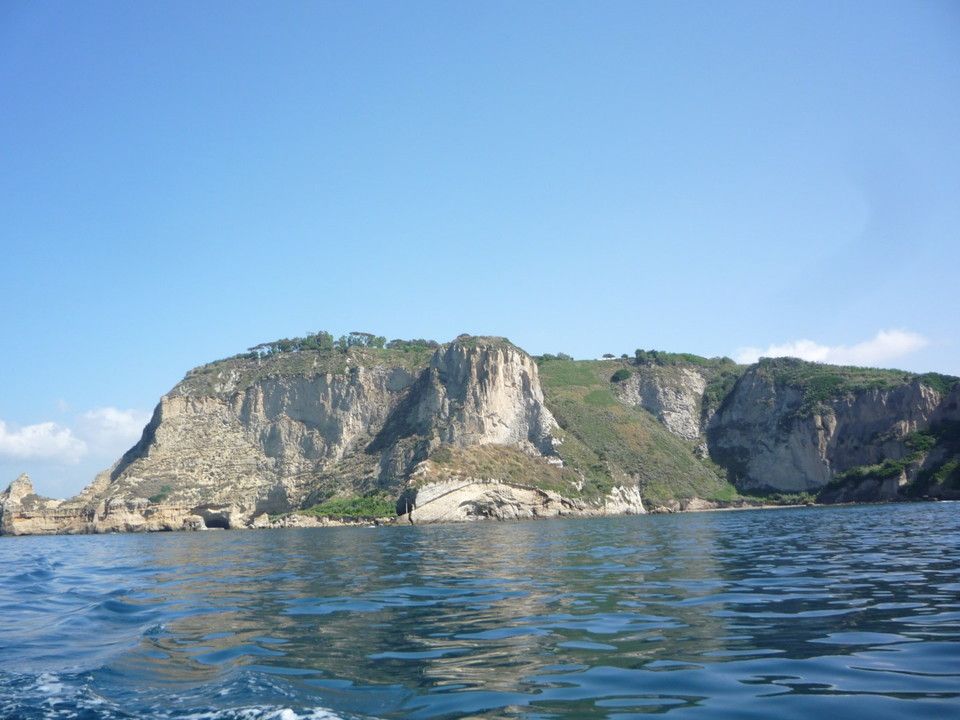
(181,180)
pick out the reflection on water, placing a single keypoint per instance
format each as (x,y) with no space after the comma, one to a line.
(788,613)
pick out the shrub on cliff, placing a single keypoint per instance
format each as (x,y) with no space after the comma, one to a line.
(374,505)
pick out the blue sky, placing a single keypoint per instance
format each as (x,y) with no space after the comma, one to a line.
(179,181)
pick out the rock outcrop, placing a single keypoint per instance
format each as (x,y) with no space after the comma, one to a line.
(465,431)
(772,433)
(235,441)
(465,499)
(673,395)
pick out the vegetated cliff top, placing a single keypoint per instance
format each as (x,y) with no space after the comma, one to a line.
(319,353)
(473,341)
(720,373)
(821,383)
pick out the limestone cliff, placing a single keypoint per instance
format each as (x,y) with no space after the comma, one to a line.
(674,395)
(20,499)
(794,426)
(478,429)
(254,435)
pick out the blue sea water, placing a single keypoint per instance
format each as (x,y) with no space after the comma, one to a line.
(794,613)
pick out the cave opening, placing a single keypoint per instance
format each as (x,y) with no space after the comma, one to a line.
(212,522)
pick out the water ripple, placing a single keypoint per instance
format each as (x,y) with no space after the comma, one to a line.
(788,613)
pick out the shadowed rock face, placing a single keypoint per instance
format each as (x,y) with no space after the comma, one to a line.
(766,437)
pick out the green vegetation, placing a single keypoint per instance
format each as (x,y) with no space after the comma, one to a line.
(161,496)
(621,375)
(943,384)
(822,383)
(882,471)
(374,505)
(546,357)
(500,462)
(600,398)
(721,380)
(940,443)
(320,340)
(780,498)
(413,345)
(314,354)
(944,474)
(566,373)
(661,357)
(921,441)
(610,443)
(472,341)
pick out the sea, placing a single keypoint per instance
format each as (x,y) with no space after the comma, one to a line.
(822,612)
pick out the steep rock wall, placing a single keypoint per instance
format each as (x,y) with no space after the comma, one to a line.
(769,437)
(673,395)
(243,438)
(226,451)
(481,395)
(258,447)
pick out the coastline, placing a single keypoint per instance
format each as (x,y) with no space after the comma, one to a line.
(295,520)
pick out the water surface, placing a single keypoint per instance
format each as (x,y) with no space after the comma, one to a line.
(836,612)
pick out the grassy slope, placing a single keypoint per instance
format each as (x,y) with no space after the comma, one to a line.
(500,462)
(608,441)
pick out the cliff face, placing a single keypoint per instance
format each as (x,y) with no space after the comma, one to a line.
(259,447)
(673,395)
(237,441)
(487,394)
(474,392)
(479,429)
(771,434)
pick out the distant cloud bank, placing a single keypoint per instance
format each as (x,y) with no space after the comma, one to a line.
(883,347)
(108,430)
(43,441)
(105,431)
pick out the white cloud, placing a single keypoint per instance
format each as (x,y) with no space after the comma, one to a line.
(43,441)
(111,431)
(883,347)
(102,433)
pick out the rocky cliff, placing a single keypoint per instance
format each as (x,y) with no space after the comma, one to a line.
(674,395)
(268,435)
(477,429)
(795,426)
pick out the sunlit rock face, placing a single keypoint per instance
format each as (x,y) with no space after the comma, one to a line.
(672,395)
(462,431)
(221,452)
